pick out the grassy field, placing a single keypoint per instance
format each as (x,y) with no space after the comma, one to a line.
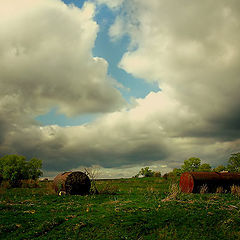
(144,208)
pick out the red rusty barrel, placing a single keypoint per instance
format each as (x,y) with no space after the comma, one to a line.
(191,182)
(75,183)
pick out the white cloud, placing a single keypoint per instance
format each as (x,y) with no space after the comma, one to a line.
(46,58)
(191,48)
(113,4)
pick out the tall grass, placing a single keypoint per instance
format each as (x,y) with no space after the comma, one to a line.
(108,189)
(49,188)
(174,192)
(235,190)
(203,189)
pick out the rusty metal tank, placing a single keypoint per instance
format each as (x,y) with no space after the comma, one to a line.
(74,183)
(191,182)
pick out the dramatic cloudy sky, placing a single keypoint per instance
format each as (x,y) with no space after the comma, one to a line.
(121,84)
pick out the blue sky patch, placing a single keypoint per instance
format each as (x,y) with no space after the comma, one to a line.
(112,52)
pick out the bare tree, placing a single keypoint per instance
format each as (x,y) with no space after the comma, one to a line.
(93,173)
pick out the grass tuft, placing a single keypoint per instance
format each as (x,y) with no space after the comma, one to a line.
(204,189)
(235,190)
(174,192)
(219,190)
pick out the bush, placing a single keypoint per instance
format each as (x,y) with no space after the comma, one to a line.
(146,172)
(157,174)
(5,184)
(171,176)
(30,183)
(220,168)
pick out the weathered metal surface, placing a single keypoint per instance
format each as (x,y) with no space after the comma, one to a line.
(74,183)
(191,182)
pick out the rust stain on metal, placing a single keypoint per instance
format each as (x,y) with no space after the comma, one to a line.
(74,183)
(191,182)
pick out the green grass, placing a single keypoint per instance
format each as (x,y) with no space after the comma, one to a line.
(125,209)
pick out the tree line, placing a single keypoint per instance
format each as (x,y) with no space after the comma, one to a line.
(15,168)
(194,164)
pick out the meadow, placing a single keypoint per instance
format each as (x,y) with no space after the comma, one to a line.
(141,208)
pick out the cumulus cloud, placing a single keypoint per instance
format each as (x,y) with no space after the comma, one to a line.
(190,48)
(122,142)
(46,59)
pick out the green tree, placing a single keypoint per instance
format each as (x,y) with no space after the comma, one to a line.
(191,165)
(234,162)
(33,168)
(205,167)
(177,172)
(146,172)
(15,168)
(220,168)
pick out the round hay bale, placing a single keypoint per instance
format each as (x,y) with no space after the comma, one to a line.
(73,183)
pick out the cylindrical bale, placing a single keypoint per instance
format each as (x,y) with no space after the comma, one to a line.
(191,182)
(73,183)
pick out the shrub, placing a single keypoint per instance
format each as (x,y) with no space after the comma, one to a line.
(29,183)
(171,176)
(157,174)
(146,172)
(220,168)
(165,176)
(5,184)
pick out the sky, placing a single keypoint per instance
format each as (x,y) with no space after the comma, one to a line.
(119,85)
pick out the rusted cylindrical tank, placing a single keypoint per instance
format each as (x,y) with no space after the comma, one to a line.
(74,183)
(191,182)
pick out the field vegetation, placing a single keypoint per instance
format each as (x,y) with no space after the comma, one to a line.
(137,208)
(147,206)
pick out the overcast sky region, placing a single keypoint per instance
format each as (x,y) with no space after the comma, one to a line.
(119,84)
